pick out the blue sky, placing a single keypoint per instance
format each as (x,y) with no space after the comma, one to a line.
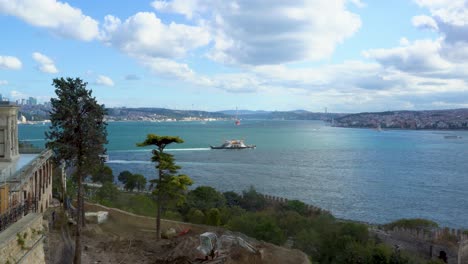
(346,55)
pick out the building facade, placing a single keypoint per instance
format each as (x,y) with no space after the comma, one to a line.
(25,179)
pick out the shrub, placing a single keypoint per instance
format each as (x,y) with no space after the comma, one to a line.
(172,215)
(205,198)
(252,200)
(228,213)
(298,206)
(196,216)
(213,217)
(232,198)
(259,226)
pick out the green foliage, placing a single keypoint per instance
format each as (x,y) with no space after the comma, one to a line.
(417,223)
(77,133)
(172,215)
(20,240)
(213,217)
(123,176)
(72,188)
(298,206)
(169,187)
(252,200)
(227,213)
(204,198)
(135,181)
(196,216)
(232,198)
(307,240)
(465,232)
(258,225)
(102,174)
(291,222)
(107,193)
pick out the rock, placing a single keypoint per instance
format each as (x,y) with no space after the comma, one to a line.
(169,233)
(96,217)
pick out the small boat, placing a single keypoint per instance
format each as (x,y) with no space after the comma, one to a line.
(234,144)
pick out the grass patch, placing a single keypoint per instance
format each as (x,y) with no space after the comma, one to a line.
(141,204)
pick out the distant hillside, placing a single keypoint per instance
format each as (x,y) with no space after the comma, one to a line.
(149,113)
(431,119)
(280,115)
(244,112)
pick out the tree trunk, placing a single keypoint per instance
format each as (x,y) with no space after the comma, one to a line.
(77,258)
(83,218)
(158,209)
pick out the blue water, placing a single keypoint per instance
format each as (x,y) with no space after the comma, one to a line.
(358,174)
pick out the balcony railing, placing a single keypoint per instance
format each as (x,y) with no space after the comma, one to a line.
(17,212)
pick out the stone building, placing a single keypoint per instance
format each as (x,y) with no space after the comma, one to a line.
(25,193)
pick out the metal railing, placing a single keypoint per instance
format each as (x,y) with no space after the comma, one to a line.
(17,212)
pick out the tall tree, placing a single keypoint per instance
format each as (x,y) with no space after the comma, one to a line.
(77,136)
(168,186)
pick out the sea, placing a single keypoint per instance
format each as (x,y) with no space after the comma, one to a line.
(358,174)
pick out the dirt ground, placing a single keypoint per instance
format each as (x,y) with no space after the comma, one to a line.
(126,238)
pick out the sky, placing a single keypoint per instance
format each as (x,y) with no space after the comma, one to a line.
(343,55)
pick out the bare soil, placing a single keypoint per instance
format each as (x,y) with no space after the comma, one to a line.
(129,239)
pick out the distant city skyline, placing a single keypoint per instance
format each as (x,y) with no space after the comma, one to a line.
(343,55)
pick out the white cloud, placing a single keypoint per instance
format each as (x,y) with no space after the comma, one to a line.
(425,22)
(45,64)
(10,63)
(145,35)
(3,82)
(59,17)
(420,56)
(186,7)
(453,12)
(270,32)
(104,80)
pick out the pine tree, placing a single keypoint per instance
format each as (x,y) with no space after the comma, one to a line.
(169,186)
(77,136)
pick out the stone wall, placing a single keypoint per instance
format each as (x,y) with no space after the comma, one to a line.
(463,252)
(22,242)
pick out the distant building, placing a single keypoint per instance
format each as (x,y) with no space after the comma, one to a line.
(32,101)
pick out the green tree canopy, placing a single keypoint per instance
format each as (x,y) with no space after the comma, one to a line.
(102,174)
(123,176)
(205,197)
(135,181)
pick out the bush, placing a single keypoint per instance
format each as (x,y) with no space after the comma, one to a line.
(107,193)
(205,198)
(196,216)
(213,217)
(259,226)
(171,215)
(232,198)
(252,200)
(228,213)
(298,206)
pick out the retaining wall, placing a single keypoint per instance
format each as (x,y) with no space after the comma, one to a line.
(22,242)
